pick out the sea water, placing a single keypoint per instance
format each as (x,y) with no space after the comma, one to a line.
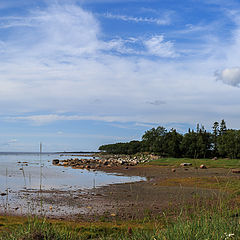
(20,171)
(26,177)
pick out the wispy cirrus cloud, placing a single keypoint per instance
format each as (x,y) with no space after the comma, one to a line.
(48,118)
(143,46)
(159,21)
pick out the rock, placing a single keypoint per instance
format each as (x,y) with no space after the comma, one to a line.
(203,166)
(173,170)
(55,161)
(3,194)
(105,163)
(215,158)
(235,170)
(185,164)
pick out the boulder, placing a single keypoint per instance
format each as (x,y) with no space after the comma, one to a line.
(185,164)
(55,161)
(105,163)
(203,166)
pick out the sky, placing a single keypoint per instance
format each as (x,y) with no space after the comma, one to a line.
(76,74)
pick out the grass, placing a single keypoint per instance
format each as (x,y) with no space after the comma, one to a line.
(216,223)
(226,184)
(219,163)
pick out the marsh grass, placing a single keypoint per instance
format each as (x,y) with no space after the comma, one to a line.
(214,224)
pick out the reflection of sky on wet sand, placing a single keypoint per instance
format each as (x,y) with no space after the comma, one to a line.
(16,176)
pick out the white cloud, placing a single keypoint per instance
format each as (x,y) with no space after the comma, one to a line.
(10,142)
(158,47)
(150,46)
(124,46)
(61,65)
(48,118)
(60,29)
(230,76)
(159,21)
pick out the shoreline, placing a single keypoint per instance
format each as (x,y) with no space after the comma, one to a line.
(128,201)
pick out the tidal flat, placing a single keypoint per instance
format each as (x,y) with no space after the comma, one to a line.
(32,185)
(27,177)
(146,200)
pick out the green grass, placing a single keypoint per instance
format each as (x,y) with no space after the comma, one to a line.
(214,224)
(219,163)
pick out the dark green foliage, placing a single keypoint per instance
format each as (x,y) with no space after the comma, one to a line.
(154,139)
(196,144)
(229,144)
(132,147)
(221,142)
(214,137)
(172,143)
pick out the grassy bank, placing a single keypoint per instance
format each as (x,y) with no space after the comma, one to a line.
(219,163)
(204,224)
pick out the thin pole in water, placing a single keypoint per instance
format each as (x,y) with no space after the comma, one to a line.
(40,166)
(40,156)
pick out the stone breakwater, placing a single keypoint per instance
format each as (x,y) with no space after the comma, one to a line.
(100,162)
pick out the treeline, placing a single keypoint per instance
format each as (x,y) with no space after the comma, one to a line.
(199,143)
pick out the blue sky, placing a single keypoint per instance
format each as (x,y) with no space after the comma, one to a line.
(76,74)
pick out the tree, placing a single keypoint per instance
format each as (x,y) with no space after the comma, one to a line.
(189,144)
(215,136)
(223,127)
(172,143)
(222,150)
(153,140)
(230,144)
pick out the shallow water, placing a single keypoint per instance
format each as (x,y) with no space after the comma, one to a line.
(16,175)
(22,175)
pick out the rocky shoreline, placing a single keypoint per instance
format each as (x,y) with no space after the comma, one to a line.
(98,162)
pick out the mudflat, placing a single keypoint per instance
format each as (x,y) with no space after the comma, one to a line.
(165,189)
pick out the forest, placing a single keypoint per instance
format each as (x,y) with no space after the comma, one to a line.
(198,143)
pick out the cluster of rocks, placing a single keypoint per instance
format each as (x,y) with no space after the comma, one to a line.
(97,163)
